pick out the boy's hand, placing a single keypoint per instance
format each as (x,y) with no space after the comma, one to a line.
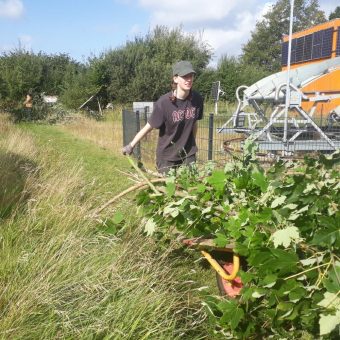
(127,149)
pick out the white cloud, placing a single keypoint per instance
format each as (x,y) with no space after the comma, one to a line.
(189,11)
(265,9)
(226,25)
(229,41)
(11,8)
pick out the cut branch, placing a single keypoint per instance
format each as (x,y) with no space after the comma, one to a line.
(139,186)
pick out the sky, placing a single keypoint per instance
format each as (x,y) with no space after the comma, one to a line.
(86,28)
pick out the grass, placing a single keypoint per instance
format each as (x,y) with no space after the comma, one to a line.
(108,134)
(64,274)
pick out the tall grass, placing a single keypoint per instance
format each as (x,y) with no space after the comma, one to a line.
(108,133)
(63,276)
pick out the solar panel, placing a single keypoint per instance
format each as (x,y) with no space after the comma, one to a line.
(310,47)
(316,54)
(337,51)
(300,42)
(316,48)
(293,52)
(284,53)
(307,50)
(327,40)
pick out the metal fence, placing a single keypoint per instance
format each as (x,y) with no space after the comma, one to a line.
(220,144)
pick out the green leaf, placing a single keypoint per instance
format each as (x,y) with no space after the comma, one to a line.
(327,237)
(236,317)
(285,306)
(332,282)
(330,301)
(221,240)
(201,188)
(269,281)
(150,227)
(170,189)
(118,218)
(258,293)
(328,323)
(312,260)
(291,315)
(290,206)
(260,180)
(172,211)
(242,181)
(258,258)
(263,216)
(283,262)
(297,294)
(298,213)
(108,227)
(180,202)
(217,180)
(286,236)
(246,277)
(278,201)
(206,210)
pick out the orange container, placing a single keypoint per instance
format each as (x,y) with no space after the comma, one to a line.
(314,45)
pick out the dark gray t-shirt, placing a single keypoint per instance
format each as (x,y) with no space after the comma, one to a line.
(175,122)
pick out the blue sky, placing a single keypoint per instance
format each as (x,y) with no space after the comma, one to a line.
(82,28)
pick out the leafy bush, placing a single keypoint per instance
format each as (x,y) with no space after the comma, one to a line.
(284,221)
(23,72)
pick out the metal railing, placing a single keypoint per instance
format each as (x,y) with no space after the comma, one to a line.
(221,146)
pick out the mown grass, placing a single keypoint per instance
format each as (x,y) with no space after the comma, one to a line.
(62,274)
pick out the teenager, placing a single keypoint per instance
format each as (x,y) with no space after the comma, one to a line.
(175,115)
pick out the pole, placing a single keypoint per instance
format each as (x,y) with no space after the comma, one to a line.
(137,147)
(287,104)
(211,137)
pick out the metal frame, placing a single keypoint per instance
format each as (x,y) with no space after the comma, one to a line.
(286,101)
(279,88)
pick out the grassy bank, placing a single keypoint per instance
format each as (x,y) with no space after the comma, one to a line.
(64,274)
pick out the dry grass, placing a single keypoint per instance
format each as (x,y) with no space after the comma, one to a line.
(107,134)
(62,275)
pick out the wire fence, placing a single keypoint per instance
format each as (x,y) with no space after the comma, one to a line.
(220,144)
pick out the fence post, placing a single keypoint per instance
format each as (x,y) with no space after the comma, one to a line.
(124,124)
(137,148)
(211,137)
(145,114)
(146,119)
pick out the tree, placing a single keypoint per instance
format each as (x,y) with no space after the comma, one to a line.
(22,71)
(53,72)
(232,73)
(141,70)
(335,14)
(77,86)
(203,82)
(264,47)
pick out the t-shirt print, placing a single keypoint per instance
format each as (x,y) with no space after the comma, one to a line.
(179,115)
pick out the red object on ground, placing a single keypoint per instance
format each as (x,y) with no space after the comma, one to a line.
(231,288)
